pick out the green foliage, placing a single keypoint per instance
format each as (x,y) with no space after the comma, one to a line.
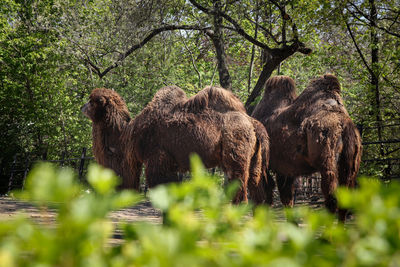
(40,112)
(45,47)
(203,228)
(81,228)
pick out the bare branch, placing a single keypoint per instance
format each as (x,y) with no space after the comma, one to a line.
(134,47)
(358,48)
(237,28)
(192,59)
(286,17)
(264,29)
(376,26)
(388,32)
(205,10)
(241,32)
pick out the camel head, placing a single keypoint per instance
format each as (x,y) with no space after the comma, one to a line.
(106,106)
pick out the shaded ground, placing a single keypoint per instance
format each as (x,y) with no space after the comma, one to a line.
(142,212)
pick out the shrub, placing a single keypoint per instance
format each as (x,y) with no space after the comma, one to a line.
(201,227)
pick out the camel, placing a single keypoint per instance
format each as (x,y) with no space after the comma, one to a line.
(310,133)
(212,124)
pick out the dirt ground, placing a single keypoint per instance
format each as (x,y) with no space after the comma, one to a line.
(143,212)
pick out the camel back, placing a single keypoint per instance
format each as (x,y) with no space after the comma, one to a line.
(322,93)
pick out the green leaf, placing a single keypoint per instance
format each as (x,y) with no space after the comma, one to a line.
(102,180)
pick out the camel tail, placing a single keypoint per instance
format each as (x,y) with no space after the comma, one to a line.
(260,185)
(350,158)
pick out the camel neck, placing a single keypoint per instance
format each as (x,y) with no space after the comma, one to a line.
(111,132)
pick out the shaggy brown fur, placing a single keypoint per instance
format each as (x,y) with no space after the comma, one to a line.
(221,100)
(110,118)
(310,133)
(261,184)
(171,127)
(215,98)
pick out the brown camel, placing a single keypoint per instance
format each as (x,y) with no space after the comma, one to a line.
(212,124)
(310,133)
(110,118)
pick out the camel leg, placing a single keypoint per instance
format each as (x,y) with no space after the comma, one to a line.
(347,178)
(257,191)
(286,189)
(131,179)
(236,165)
(238,144)
(137,171)
(241,195)
(270,185)
(161,169)
(349,160)
(328,185)
(262,193)
(344,181)
(236,171)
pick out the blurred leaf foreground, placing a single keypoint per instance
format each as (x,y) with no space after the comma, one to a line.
(200,226)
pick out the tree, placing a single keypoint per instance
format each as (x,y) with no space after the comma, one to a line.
(39,113)
(374,22)
(53,53)
(284,44)
(278,44)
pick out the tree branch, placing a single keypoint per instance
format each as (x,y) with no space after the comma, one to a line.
(205,10)
(193,60)
(376,26)
(357,47)
(237,28)
(286,17)
(264,29)
(134,47)
(241,32)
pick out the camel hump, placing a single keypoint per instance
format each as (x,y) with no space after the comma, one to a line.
(284,85)
(167,97)
(215,98)
(280,92)
(328,82)
(102,92)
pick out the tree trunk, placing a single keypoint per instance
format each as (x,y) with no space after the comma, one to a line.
(375,69)
(218,41)
(253,50)
(269,66)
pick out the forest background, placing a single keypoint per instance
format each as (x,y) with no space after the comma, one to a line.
(53,53)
